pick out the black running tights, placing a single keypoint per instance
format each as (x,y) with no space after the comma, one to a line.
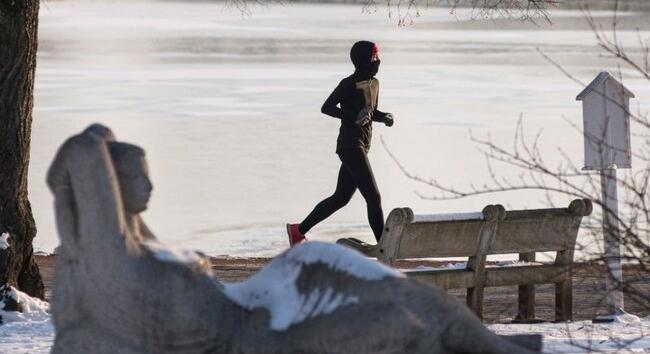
(355,173)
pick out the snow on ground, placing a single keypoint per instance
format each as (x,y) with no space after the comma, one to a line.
(32,332)
(626,335)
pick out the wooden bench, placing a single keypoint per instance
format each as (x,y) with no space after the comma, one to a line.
(492,231)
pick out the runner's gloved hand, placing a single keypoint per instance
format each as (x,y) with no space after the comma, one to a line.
(388,119)
(363,117)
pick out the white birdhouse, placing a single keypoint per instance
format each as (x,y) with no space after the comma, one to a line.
(606,116)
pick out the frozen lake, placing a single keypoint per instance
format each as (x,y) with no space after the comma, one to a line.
(228,107)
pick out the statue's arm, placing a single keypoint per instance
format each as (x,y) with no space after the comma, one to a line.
(59,183)
(85,186)
(145,232)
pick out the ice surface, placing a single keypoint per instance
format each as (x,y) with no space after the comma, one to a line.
(274,287)
(212,96)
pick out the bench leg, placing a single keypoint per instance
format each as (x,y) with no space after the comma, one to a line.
(564,300)
(526,303)
(475,301)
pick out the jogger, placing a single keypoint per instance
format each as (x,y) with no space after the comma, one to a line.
(354,101)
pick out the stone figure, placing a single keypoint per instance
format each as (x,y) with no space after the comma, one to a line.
(118,290)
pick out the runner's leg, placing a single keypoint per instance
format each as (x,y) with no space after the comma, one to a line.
(358,166)
(345,188)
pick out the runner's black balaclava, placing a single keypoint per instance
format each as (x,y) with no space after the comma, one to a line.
(361,55)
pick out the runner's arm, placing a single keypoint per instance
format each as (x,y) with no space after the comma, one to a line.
(382,117)
(332,103)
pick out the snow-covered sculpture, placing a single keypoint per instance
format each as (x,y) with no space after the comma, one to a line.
(118,290)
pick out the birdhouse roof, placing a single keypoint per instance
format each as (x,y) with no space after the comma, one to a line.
(600,79)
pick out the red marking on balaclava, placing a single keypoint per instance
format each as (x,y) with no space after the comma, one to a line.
(375,49)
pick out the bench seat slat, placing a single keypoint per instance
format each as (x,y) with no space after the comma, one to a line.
(444,278)
(495,276)
(534,274)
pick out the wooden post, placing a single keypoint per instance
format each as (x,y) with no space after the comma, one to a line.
(612,239)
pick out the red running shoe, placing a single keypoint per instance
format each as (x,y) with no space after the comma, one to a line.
(295,236)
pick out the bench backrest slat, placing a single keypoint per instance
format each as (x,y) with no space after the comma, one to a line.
(539,233)
(440,239)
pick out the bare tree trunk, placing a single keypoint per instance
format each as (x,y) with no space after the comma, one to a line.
(18,43)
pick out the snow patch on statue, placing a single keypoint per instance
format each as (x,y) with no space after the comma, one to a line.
(4,241)
(339,258)
(168,253)
(274,287)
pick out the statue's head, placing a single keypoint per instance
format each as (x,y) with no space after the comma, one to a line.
(132,174)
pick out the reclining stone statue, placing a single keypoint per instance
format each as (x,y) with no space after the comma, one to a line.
(118,290)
